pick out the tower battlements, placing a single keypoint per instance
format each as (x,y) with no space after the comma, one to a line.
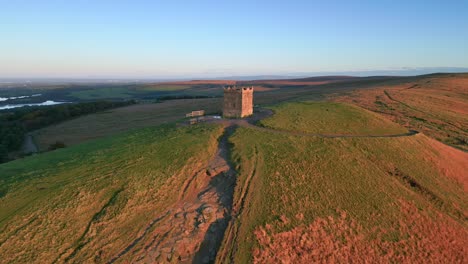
(237,89)
(238,101)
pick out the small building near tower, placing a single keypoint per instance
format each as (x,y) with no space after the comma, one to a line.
(238,102)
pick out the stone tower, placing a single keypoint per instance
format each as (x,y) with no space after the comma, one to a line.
(238,102)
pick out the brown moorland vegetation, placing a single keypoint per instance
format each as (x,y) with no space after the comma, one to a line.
(342,239)
(436,105)
(302,199)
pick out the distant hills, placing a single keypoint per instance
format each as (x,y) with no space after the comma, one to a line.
(403,71)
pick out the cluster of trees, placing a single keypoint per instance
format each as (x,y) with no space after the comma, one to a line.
(11,138)
(14,123)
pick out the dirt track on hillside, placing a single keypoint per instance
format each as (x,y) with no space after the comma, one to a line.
(192,229)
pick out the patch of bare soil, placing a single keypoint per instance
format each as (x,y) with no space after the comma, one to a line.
(192,230)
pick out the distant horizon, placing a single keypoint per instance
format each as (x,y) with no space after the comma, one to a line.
(365,73)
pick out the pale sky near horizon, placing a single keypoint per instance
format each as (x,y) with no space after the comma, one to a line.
(163,39)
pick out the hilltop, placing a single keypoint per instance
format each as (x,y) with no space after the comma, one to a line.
(345,198)
(282,189)
(303,180)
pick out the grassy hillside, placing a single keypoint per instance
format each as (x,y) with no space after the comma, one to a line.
(304,199)
(166,193)
(330,118)
(266,93)
(85,203)
(122,119)
(435,104)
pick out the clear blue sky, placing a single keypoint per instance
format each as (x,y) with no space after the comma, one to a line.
(136,38)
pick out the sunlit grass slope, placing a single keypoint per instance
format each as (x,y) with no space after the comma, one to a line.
(330,118)
(86,203)
(344,199)
(435,104)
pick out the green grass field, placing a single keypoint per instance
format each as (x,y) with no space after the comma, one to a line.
(118,120)
(103,93)
(139,91)
(344,199)
(85,203)
(330,118)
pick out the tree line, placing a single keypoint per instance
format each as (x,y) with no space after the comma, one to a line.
(15,123)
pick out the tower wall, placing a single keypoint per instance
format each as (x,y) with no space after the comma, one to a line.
(238,102)
(247,101)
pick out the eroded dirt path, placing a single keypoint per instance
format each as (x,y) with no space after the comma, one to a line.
(192,230)
(225,255)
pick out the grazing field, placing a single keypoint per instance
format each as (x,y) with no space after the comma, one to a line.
(121,119)
(102,93)
(144,91)
(111,122)
(305,199)
(15,124)
(304,89)
(330,118)
(87,203)
(436,105)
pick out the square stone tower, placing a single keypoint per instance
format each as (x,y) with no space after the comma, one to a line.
(238,102)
